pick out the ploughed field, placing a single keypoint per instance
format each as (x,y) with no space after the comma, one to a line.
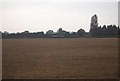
(81,58)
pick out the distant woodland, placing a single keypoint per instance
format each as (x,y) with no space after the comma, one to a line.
(95,31)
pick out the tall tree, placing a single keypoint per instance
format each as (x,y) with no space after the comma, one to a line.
(94,25)
(94,21)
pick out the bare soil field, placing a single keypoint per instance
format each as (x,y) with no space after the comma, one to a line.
(80,58)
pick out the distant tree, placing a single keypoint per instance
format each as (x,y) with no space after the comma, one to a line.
(93,31)
(6,33)
(73,35)
(40,34)
(25,34)
(59,30)
(104,31)
(94,21)
(99,31)
(94,25)
(61,33)
(112,30)
(50,32)
(115,30)
(104,26)
(80,33)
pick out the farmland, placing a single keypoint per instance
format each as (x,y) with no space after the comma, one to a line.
(81,58)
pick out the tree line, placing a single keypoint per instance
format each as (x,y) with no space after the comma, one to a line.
(95,31)
(105,31)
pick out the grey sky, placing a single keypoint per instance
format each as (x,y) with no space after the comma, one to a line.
(44,15)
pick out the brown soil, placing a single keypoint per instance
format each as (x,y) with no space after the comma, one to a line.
(87,58)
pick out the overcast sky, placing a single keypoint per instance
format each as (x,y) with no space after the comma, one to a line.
(43,15)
